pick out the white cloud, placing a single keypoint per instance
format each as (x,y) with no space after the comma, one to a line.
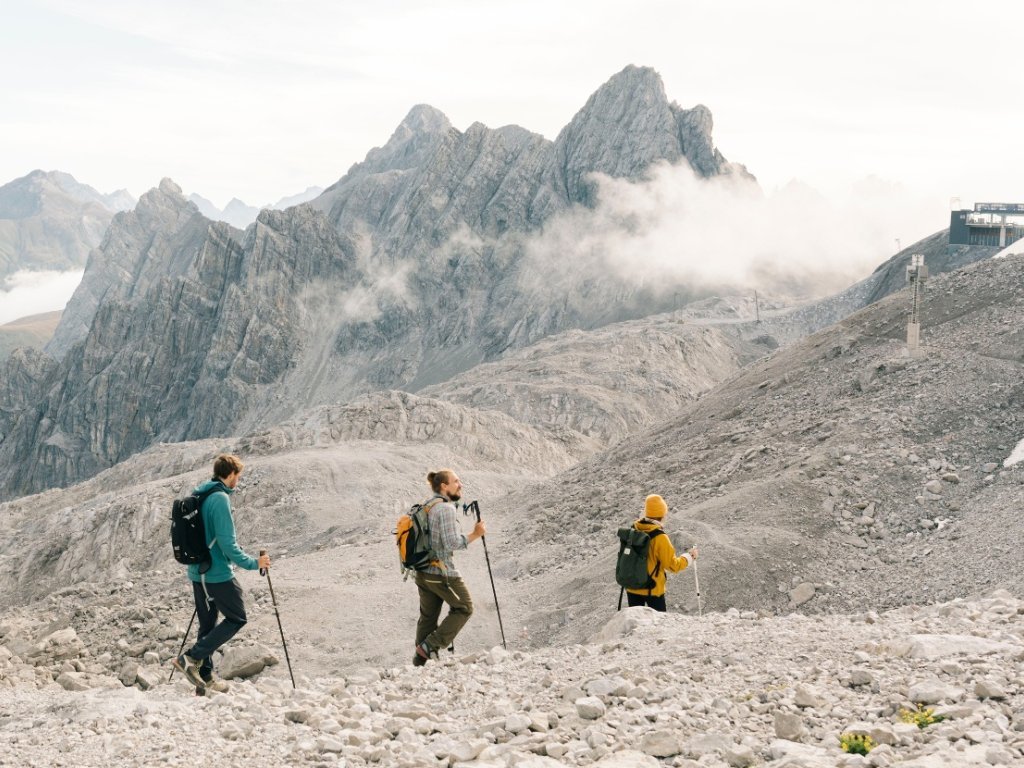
(677,230)
(31,293)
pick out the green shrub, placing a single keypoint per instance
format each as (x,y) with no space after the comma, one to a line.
(856,743)
(922,717)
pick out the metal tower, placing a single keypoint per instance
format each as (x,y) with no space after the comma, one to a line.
(917,273)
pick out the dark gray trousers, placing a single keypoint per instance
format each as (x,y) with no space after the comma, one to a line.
(225,600)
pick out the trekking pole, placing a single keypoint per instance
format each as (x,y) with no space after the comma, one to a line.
(475,507)
(266,572)
(696,584)
(195,611)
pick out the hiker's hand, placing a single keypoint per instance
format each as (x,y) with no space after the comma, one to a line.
(263,561)
(478,530)
(693,552)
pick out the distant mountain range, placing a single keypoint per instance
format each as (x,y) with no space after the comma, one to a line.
(48,220)
(415,267)
(239,214)
(410,269)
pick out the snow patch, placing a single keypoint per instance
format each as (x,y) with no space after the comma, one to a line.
(1016,456)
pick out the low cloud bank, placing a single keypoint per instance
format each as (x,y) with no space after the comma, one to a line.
(677,230)
(31,293)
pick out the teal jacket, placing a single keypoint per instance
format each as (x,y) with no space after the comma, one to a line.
(220,529)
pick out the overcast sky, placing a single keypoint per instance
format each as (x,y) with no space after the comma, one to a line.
(259,99)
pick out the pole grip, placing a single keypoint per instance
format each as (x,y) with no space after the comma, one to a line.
(263,571)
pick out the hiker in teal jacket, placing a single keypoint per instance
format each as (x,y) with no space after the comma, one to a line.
(216,591)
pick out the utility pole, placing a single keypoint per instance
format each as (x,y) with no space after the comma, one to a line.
(917,273)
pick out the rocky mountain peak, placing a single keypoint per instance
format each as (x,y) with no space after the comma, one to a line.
(412,141)
(424,118)
(158,238)
(625,126)
(165,197)
(168,187)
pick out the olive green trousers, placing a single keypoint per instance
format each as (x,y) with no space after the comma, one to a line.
(435,591)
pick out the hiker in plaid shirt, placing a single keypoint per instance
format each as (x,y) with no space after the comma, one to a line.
(440,583)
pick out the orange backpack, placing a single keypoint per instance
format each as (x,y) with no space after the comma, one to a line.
(412,535)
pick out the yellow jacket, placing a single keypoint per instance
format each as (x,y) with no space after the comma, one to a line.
(660,556)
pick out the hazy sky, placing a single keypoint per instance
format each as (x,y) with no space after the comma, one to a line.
(260,99)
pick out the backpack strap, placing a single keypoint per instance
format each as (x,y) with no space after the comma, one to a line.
(652,535)
(200,498)
(431,503)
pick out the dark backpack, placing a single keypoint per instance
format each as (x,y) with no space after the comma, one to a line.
(631,567)
(188,534)
(412,534)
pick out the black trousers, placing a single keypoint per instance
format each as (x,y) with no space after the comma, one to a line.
(225,600)
(657,602)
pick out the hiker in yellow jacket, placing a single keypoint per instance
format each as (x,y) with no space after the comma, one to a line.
(661,557)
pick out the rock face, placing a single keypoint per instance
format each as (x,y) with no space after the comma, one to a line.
(409,270)
(50,221)
(158,239)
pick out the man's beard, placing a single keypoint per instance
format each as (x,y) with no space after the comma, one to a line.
(454,497)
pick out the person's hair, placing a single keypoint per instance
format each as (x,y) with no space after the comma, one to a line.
(439,478)
(225,464)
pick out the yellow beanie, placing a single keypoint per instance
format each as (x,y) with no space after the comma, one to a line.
(655,506)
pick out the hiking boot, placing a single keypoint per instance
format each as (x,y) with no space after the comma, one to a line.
(425,652)
(217,685)
(417,660)
(189,667)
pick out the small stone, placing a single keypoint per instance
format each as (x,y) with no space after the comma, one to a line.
(807,697)
(801,594)
(72,681)
(149,677)
(590,707)
(934,692)
(789,726)
(660,744)
(989,689)
(860,677)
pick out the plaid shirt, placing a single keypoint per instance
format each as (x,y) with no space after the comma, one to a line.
(445,536)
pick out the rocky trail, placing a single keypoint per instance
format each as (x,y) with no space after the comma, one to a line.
(727,690)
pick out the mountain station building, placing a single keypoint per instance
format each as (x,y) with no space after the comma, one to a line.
(998,224)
